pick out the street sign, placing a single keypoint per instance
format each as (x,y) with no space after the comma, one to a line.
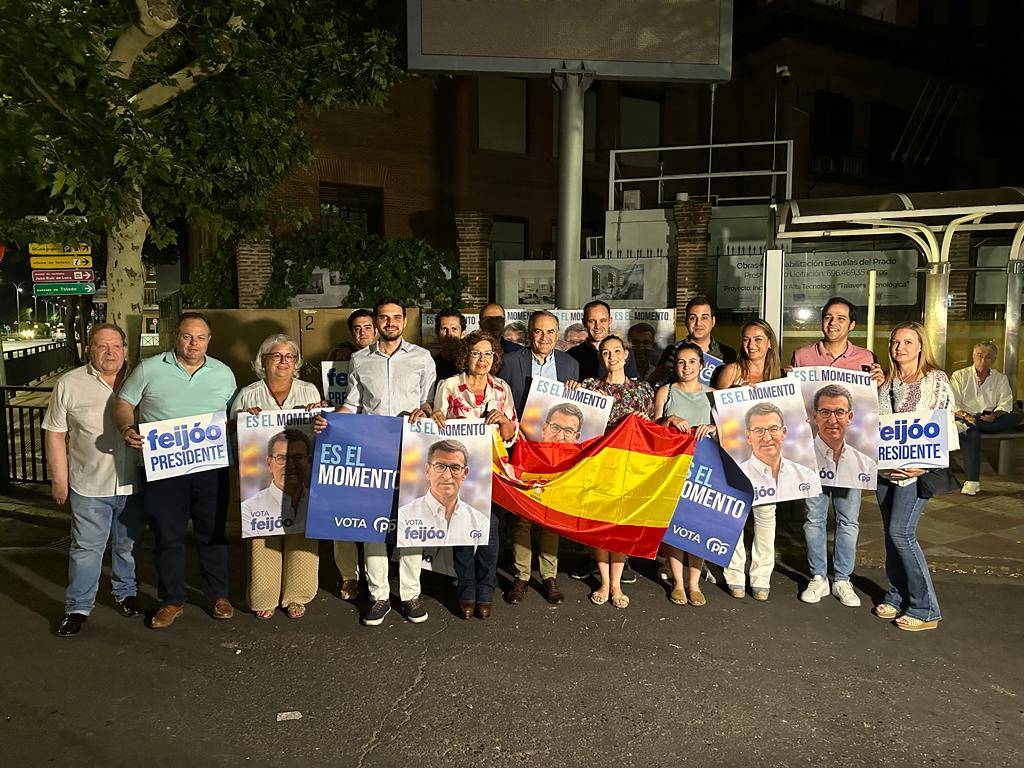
(63,275)
(61,262)
(63,289)
(56,249)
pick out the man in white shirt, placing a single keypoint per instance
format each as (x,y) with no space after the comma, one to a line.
(440,509)
(774,477)
(984,402)
(92,467)
(840,465)
(285,499)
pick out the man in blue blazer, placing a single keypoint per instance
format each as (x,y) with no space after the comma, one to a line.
(519,369)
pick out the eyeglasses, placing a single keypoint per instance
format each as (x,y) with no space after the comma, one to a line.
(295,458)
(476,354)
(760,431)
(277,357)
(838,413)
(453,469)
(560,430)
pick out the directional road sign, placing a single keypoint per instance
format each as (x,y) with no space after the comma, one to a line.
(63,289)
(56,249)
(61,262)
(63,275)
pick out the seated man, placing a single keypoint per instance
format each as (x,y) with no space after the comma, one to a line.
(984,402)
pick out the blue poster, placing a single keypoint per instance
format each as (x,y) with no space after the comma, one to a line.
(713,505)
(711,364)
(355,470)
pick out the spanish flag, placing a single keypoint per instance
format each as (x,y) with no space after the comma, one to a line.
(616,492)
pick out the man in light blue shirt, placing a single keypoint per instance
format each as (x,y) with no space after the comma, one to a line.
(182,382)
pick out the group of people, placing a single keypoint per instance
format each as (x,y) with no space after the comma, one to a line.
(92,442)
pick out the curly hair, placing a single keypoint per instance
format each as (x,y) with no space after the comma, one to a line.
(468,342)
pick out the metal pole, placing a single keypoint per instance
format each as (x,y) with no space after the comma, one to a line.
(772,307)
(1014,290)
(872,280)
(711,137)
(936,291)
(571,84)
(17,305)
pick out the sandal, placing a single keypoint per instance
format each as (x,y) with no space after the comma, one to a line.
(885,611)
(697,598)
(295,610)
(598,597)
(912,624)
(620,600)
(263,615)
(678,596)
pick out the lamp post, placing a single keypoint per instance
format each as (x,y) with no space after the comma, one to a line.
(17,304)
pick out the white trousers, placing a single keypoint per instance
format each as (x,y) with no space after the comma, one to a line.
(762,553)
(410,559)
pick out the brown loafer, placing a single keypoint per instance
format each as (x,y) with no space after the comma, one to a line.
(517,592)
(467,609)
(483,611)
(349,589)
(222,609)
(165,616)
(552,593)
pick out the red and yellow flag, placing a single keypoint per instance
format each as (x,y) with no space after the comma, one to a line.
(615,492)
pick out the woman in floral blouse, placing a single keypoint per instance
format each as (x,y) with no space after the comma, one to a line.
(628,396)
(476,393)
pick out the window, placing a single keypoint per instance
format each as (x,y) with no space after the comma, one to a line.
(501,114)
(832,136)
(508,238)
(639,126)
(360,207)
(888,124)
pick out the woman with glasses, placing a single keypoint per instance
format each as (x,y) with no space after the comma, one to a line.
(914,382)
(628,396)
(686,406)
(758,361)
(477,393)
(282,569)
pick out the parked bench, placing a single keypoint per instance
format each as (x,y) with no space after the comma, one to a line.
(1006,440)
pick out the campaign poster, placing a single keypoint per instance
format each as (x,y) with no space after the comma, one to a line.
(175,447)
(335,381)
(842,409)
(707,371)
(764,428)
(444,496)
(914,440)
(647,331)
(353,483)
(556,414)
(713,505)
(275,455)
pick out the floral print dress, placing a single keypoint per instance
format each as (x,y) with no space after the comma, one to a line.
(455,398)
(629,397)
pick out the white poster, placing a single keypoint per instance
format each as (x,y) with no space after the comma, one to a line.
(175,447)
(335,381)
(557,414)
(914,440)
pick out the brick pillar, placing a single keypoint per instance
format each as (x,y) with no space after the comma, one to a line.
(253,258)
(691,218)
(959,256)
(474,228)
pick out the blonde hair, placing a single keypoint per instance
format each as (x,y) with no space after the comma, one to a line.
(926,362)
(772,362)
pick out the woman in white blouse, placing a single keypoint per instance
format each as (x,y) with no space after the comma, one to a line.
(283,570)
(476,393)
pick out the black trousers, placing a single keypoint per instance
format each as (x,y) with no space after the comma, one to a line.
(169,505)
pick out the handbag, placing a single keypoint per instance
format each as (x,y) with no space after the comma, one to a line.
(934,482)
(937,482)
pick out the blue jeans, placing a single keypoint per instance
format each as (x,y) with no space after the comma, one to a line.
(476,568)
(846,502)
(94,520)
(910,583)
(970,444)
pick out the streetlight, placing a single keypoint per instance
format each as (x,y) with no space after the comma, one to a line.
(17,302)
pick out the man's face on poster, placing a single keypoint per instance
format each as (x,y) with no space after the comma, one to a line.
(560,428)
(832,417)
(445,472)
(289,464)
(765,435)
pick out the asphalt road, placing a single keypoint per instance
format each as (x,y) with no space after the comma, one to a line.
(735,683)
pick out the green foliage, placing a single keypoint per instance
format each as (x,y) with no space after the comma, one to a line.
(212,284)
(374,267)
(210,155)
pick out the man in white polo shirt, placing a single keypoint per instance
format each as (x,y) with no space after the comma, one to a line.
(91,467)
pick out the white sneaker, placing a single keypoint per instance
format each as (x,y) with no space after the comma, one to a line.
(971,487)
(844,591)
(816,590)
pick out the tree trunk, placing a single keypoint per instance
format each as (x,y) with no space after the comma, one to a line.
(126,276)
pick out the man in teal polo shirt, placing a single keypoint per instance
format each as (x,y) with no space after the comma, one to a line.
(179,383)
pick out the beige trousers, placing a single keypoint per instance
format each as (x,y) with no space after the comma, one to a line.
(522,550)
(282,570)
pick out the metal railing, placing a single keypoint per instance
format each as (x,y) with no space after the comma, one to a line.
(769,171)
(22,444)
(25,365)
